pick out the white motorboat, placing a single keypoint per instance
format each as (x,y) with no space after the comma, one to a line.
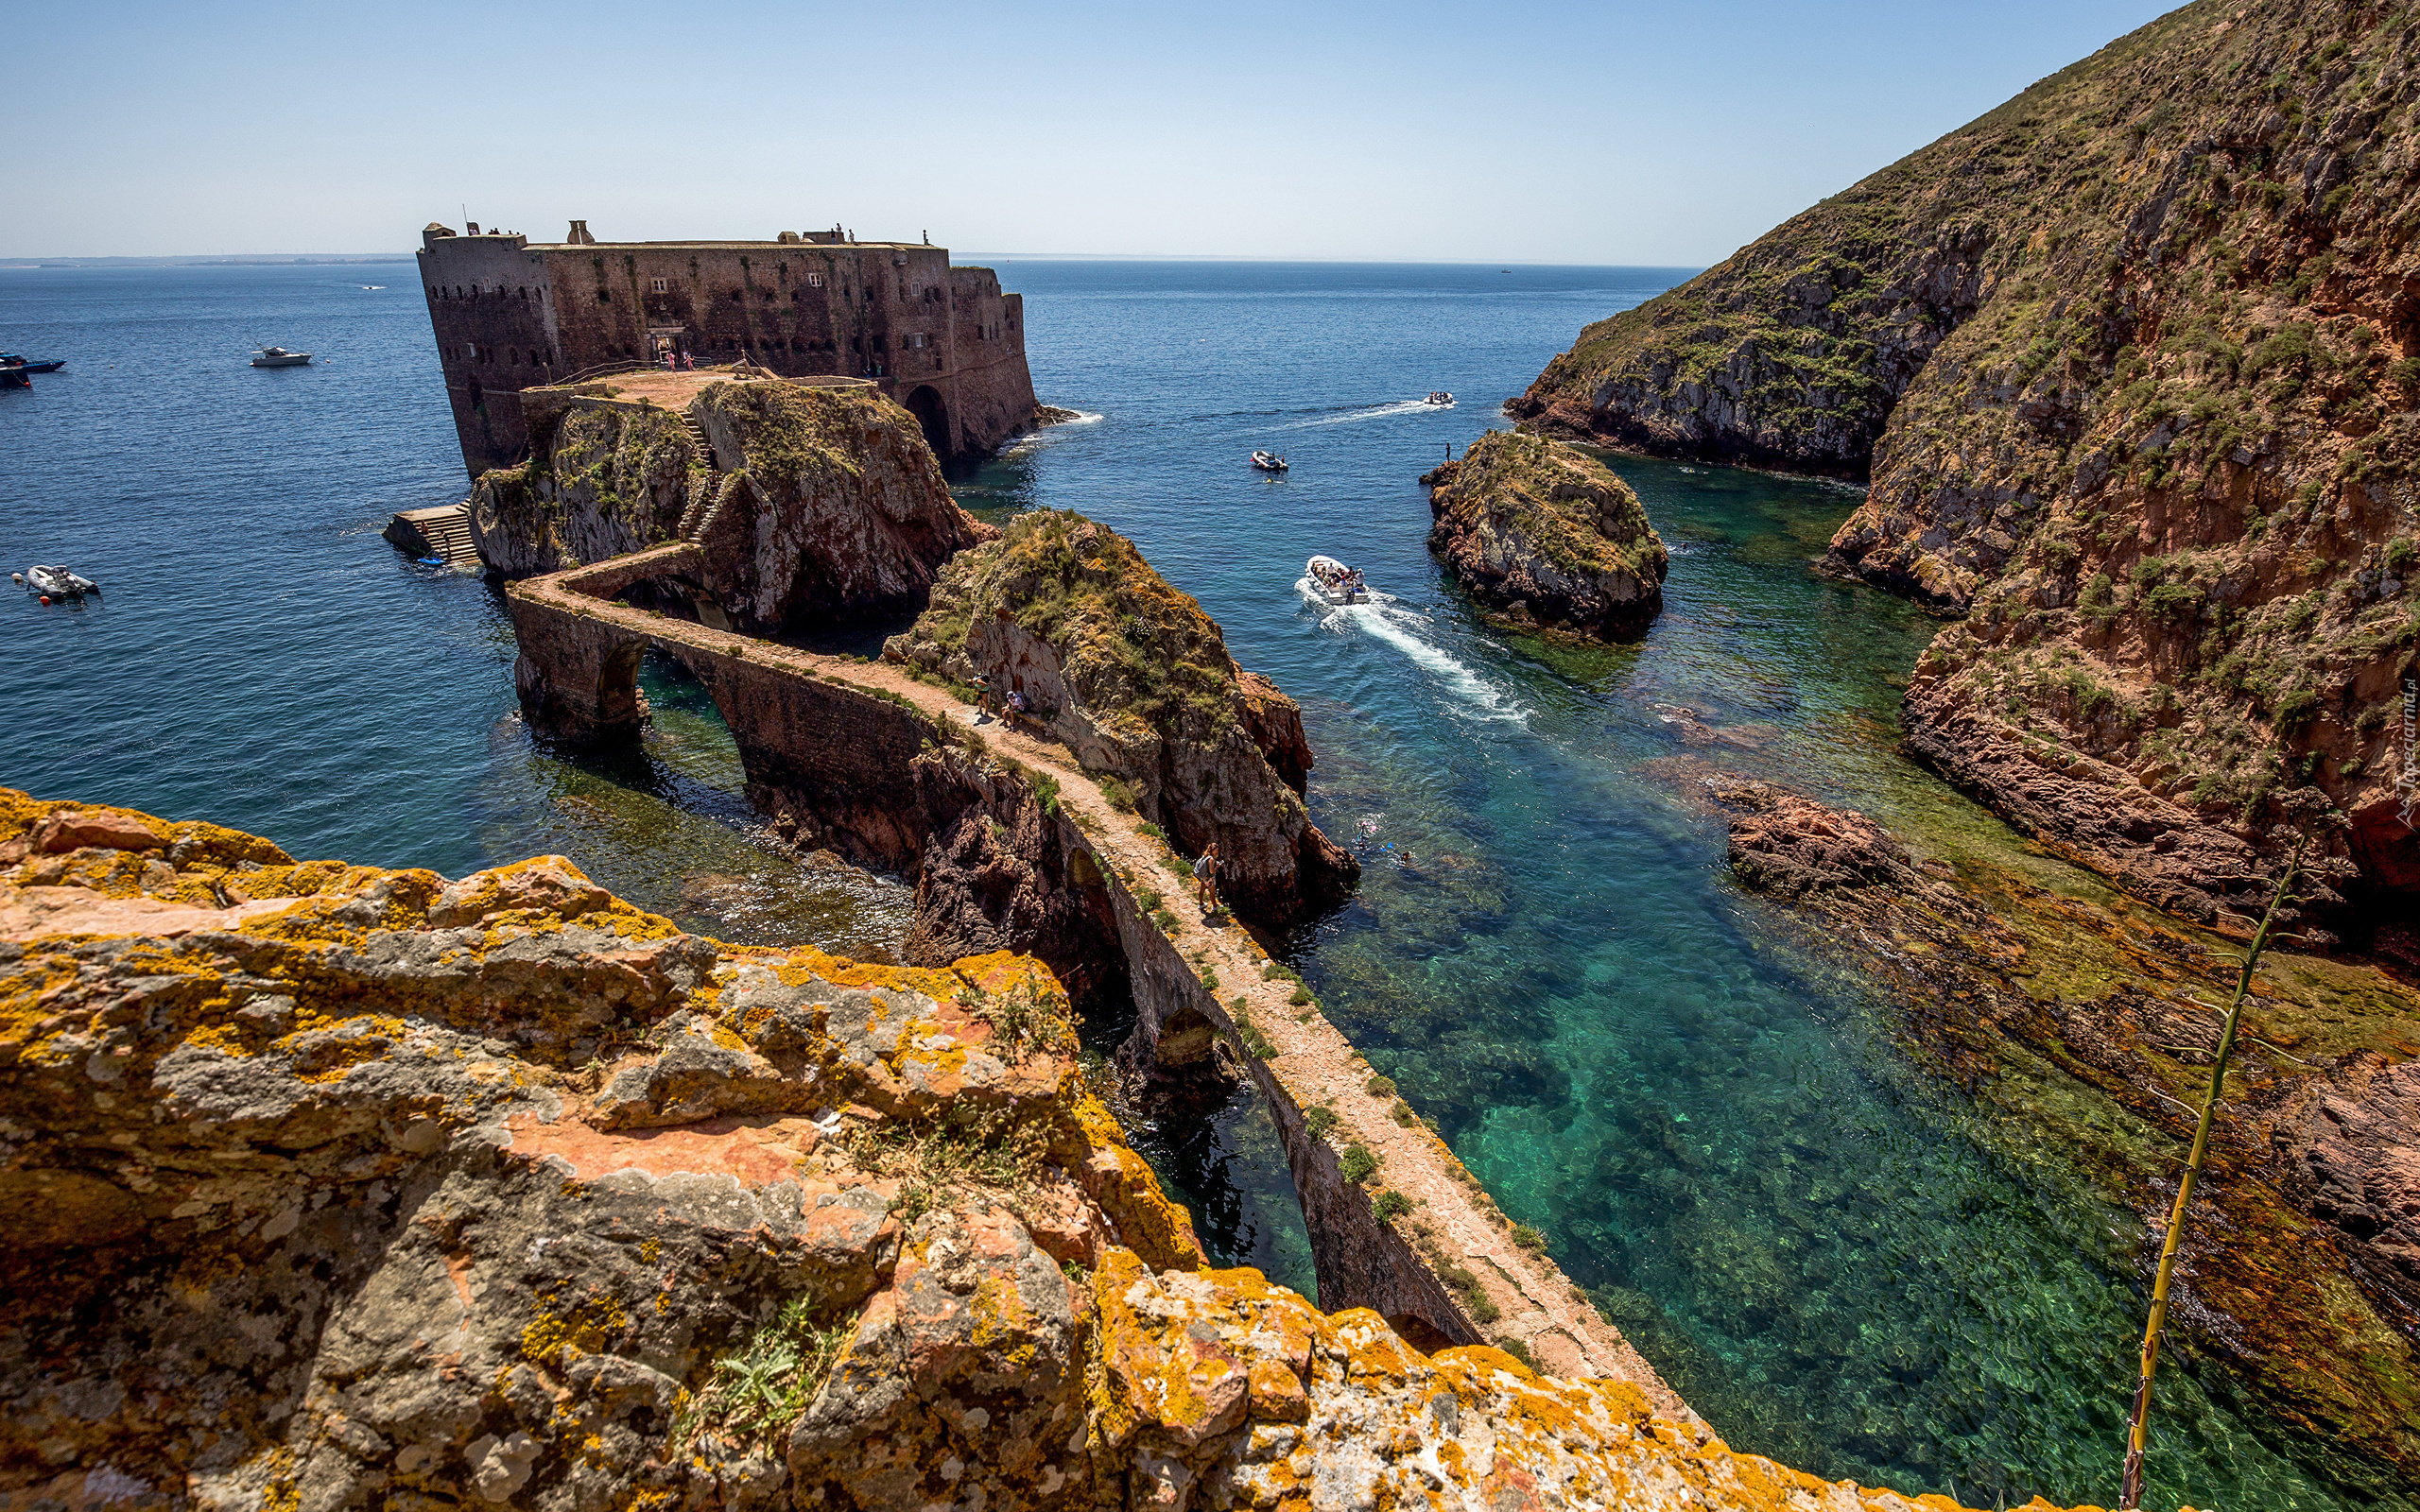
(1268,461)
(1442,400)
(1336,582)
(57,582)
(279,358)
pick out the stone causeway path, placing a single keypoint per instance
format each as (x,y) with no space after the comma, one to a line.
(1311,1060)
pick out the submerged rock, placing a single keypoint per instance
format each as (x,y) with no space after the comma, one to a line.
(331,1186)
(2305,1277)
(1548,538)
(1135,679)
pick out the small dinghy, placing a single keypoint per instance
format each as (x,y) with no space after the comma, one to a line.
(1268,461)
(56,582)
(1442,400)
(1336,582)
(279,357)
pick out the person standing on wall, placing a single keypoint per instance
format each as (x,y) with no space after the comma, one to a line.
(1206,879)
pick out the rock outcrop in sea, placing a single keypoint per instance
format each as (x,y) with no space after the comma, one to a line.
(1548,538)
(2305,1266)
(810,503)
(1137,680)
(2131,364)
(332,1186)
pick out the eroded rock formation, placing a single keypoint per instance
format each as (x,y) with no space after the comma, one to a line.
(602,480)
(341,1187)
(832,506)
(1548,538)
(820,503)
(2131,363)
(1137,680)
(2305,1279)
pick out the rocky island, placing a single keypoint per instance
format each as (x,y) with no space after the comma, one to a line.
(1548,538)
(2129,365)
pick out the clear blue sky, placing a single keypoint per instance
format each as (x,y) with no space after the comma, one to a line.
(1608,132)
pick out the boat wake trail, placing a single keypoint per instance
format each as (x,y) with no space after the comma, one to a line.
(1400,406)
(1475,696)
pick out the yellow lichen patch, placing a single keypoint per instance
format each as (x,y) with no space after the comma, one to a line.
(583,1330)
(1091,1146)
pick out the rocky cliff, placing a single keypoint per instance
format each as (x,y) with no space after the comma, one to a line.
(602,480)
(334,1187)
(1548,538)
(2302,1263)
(1137,680)
(832,506)
(810,503)
(2131,364)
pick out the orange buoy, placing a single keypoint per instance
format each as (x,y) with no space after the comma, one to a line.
(45,598)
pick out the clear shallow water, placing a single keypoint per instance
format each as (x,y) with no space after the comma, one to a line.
(1833,1263)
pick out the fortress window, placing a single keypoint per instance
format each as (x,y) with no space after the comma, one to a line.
(915,338)
(525,294)
(738,295)
(604,296)
(659,285)
(815,281)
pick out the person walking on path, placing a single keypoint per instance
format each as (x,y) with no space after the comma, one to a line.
(1206,879)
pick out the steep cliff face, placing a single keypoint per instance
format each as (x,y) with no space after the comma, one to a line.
(1548,537)
(836,510)
(825,504)
(338,1187)
(602,480)
(1137,680)
(2132,362)
(2306,1271)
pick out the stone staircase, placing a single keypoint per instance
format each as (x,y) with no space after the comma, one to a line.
(443,533)
(705,493)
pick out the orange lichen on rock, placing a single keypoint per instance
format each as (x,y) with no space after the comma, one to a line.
(501,1191)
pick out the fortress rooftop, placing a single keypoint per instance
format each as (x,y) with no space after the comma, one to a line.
(579,236)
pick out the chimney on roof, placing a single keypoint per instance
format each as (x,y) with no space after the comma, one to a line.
(580,237)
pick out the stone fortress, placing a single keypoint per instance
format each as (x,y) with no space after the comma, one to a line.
(510,314)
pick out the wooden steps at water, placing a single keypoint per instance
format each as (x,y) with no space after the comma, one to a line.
(443,533)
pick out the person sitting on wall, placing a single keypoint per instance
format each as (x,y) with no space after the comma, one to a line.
(1017,706)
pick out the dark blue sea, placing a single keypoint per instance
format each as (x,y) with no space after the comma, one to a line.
(1835,1262)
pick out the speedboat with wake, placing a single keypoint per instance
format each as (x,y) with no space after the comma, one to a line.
(1442,400)
(56,583)
(1336,582)
(1268,461)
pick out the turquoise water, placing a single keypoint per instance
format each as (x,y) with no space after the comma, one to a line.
(1833,1263)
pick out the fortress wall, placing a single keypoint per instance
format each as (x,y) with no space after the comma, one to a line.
(899,311)
(489,309)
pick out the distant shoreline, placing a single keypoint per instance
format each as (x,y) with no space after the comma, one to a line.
(260,260)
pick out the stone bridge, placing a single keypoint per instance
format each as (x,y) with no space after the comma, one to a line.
(891,771)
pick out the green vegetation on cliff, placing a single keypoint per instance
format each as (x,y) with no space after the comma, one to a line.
(2132,363)
(1131,645)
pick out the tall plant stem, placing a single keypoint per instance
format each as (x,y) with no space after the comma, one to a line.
(2132,1495)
